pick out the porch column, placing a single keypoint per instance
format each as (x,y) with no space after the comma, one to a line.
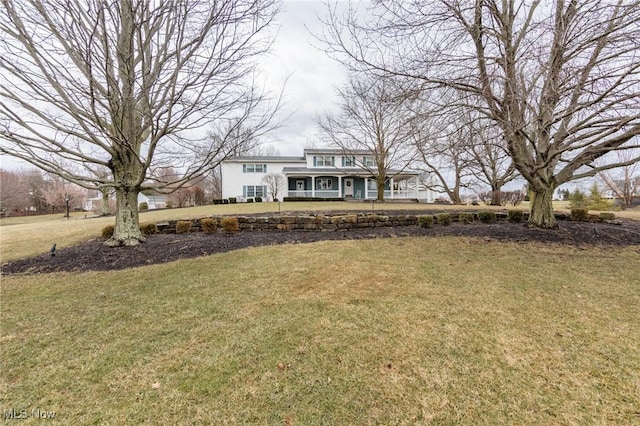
(366,188)
(417,189)
(313,186)
(392,190)
(339,186)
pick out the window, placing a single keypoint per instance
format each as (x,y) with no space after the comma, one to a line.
(250,191)
(324,161)
(324,183)
(254,168)
(372,185)
(348,161)
(368,161)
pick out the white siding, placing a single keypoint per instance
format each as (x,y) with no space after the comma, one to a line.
(233,179)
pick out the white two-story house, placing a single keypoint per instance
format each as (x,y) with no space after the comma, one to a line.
(319,173)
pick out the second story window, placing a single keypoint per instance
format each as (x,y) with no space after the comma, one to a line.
(324,161)
(254,168)
(368,161)
(348,161)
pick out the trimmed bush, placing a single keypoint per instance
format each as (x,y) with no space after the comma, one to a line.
(233,200)
(183,226)
(143,206)
(249,200)
(487,216)
(465,218)
(443,219)
(425,221)
(515,216)
(217,201)
(580,215)
(230,225)
(258,199)
(208,225)
(148,228)
(607,216)
(107,232)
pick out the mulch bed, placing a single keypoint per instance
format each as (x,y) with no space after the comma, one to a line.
(95,256)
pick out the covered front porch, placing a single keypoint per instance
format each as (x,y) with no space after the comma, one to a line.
(352,187)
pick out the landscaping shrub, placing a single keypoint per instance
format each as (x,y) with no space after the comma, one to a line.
(607,216)
(465,217)
(258,199)
(487,216)
(443,219)
(515,216)
(107,232)
(425,221)
(183,226)
(208,225)
(143,206)
(596,202)
(148,228)
(249,200)
(580,215)
(578,200)
(217,201)
(233,200)
(230,225)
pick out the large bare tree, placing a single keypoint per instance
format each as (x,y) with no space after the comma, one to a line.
(130,85)
(560,79)
(373,117)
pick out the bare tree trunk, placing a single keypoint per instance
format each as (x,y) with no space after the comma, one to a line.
(541,213)
(496,196)
(105,203)
(127,229)
(380,196)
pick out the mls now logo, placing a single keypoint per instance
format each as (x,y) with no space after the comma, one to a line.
(23,413)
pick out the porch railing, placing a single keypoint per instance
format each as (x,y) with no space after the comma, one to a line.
(397,194)
(321,193)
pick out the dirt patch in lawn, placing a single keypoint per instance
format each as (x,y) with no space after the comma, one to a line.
(160,248)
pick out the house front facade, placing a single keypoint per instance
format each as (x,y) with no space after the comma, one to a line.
(319,173)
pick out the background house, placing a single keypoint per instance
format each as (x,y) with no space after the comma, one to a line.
(153,199)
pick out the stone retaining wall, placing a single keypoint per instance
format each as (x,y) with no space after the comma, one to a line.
(326,222)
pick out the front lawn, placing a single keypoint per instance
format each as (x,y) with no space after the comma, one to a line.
(384,331)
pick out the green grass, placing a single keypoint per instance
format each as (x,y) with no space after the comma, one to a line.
(385,331)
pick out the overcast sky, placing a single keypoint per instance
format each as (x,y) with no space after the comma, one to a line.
(313,75)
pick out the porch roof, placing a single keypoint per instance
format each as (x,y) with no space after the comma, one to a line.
(334,171)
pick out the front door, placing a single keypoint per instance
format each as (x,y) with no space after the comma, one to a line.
(348,187)
(300,188)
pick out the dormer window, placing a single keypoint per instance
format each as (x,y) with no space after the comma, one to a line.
(324,161)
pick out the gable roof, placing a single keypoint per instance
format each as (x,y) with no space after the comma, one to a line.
(265,159)
(338,151)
